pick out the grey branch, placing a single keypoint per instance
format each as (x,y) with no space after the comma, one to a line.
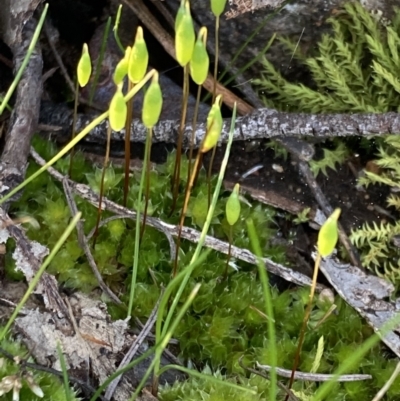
(263,123)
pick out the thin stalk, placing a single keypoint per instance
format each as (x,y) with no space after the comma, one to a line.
(76,101)
(128,145)
(213,99)
(147,191)
(305,321)
(177,166)
(188,191)
(209,174)
(103,175)
(137,231)
(228,258)
(194,122)
(188,181)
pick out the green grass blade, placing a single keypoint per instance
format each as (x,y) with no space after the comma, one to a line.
(255,243)
(137,232)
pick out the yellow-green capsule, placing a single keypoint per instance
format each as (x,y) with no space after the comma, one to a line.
(122,67)
(152,103)
(200,61)
(214,126)
(217,7)
(117,110)
(138,58)
(184,37)
(328,234)
(232,209)
(84,69)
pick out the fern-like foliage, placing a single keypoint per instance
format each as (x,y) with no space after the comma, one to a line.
(355,69)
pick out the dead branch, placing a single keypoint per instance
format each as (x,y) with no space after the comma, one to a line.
(263,123)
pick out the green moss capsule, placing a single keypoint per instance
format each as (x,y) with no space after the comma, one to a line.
(233,208)
(214,126)
(184,37)
(122,67)
(200,61)
(152,103)
(328,234)
(217,7)
(118,110)
(138,58)
(84,69)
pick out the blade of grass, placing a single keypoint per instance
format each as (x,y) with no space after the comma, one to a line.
(38,275)
(137,232)
(25,62)
(255,243)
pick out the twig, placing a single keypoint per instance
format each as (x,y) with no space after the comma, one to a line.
(190,234)
(134,348)
(84,244)
(262,124)
(315,377)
